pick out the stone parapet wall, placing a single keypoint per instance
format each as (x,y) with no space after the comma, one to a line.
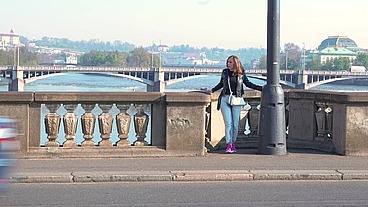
(176,122)
(330,121)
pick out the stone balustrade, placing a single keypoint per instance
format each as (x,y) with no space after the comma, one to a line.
(330,121)
(87,124)
(176,122)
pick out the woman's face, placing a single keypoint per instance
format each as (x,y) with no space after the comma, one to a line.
(230,63)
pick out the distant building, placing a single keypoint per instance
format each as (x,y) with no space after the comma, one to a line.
(163,48)
(335,47)
(255,63)
(337,41)
(190,59)
(71,59)
(32,44)
(341,41)
(331,53)
(358,68)
(10,39)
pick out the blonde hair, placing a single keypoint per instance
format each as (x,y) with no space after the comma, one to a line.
(238,68)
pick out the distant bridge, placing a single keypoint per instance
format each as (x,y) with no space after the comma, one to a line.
(157,78)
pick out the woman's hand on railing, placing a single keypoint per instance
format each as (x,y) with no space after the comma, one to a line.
(206,90)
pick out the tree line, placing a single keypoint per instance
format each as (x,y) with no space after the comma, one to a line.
(121,49)
(82,45)
(138,57)
(10,57)
(123,54)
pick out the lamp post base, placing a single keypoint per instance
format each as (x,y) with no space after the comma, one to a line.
(272,131)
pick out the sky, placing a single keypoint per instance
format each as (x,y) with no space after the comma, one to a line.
(228,24)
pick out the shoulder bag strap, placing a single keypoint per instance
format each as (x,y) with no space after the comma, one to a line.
(228,81)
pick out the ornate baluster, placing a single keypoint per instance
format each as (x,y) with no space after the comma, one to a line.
(140,126)
(70,125)
(321,121)
(88,125)
(52,125)
(105,125)
(287,116)
(123,120)
(207,120)
(329,118)
(243,121)
(253,116)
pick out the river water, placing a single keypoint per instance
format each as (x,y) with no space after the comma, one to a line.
(78,82)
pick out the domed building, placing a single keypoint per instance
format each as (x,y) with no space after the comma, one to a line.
(337,41)
(335,47)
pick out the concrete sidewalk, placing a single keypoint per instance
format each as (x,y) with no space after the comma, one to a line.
(245,165)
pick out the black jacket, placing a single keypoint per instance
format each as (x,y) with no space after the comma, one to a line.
(236,85)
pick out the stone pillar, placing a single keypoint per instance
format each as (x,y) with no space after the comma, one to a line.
(158,122)
(302,80)
(185,132)
(350,124)
(158,86)
(158,81)
(27,114)
(17,82)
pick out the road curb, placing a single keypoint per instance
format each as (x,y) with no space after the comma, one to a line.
(297,175)
(244,175)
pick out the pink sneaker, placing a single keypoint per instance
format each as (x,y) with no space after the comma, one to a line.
(229,148)
(233,148)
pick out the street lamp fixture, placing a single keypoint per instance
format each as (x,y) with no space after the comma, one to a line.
(272,135)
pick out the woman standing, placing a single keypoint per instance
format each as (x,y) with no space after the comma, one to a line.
(234,77)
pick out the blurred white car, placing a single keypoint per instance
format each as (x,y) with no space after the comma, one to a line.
(7,147)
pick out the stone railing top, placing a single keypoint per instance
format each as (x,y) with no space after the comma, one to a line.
(251,94)
(188,97)
(16,97)
(197,97)
(100,97)
(331,96)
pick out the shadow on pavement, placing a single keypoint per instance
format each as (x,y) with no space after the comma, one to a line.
(254,151)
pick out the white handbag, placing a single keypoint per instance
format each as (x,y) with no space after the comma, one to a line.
(236,101)
(233,100)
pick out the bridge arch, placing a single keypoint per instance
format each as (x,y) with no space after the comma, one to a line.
(314,84)
(284,84)
(173,81)
(32,79)
(141,80)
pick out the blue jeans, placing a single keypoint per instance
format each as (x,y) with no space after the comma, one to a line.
(231,115)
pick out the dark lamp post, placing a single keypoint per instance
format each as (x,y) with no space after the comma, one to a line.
(272,136)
